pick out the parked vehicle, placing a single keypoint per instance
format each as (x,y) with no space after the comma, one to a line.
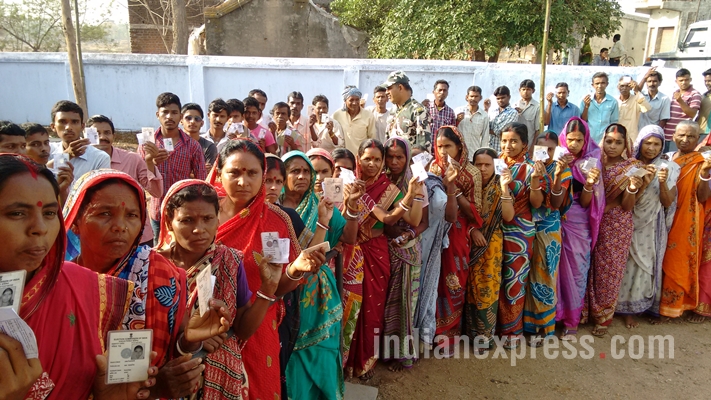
(694,52)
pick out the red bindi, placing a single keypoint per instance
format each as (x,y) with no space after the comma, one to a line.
(123,204)
(39,204)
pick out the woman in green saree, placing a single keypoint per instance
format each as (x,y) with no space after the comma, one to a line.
(317,349)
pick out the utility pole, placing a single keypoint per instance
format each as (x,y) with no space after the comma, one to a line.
(544,56)
(74,68)
(79,53)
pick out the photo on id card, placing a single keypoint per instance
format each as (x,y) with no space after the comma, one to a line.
(129,356)
(333,189)
(11,286)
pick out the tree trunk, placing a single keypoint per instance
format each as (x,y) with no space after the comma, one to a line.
(74,68)
(180,27)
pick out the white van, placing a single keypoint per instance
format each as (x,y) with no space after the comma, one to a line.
(694,51)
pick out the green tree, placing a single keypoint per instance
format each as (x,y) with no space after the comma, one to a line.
(35,25)
(461,29)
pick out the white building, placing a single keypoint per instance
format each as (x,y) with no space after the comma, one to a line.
(669,20)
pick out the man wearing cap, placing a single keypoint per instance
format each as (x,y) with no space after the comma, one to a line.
(409,118)
(357,123)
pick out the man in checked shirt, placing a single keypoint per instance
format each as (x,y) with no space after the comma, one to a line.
(185,161)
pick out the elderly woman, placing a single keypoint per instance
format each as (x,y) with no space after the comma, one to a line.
(105,213)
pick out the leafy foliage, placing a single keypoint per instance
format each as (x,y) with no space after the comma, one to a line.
(466,29)
(36,25)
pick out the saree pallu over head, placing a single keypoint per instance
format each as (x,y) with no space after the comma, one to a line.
(680,284)
(641,286)
(308,206)
(224,375)
(243,232)
(469,177)
(590,150)
(403,180)
(160,293)
(71,310)
(379,191)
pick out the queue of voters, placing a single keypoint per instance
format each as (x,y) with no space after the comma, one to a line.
(285,249)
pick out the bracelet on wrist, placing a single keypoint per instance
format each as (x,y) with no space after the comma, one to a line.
(350,214)
(704,179)
(185,353)
(293,278)
(631,192)
(557,193)
(404,207)
(585,188)
(264,296)
(459,194)
(322,226)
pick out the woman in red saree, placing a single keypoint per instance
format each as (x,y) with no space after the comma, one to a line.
(680,282)
(105,211)
(69,308)
(609,258)
(463,181)
(105,214)
(189,217)
(239,177)
(385,204)
(353,262)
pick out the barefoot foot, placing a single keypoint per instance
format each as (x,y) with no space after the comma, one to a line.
(630,321)
(695,318)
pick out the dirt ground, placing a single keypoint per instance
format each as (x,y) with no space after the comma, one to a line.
(686,375)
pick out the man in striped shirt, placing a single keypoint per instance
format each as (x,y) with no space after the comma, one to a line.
(685,105)
(185,161)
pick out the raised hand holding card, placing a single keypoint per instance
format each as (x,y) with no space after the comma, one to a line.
(348,176)
(559,152)
(129,356)
(422,158)
(149,135)
(168,144)
(499,166)
(92,134)
(204,288)
(333,189)
(418,170)
(540,153)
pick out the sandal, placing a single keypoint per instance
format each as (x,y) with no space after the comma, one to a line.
(569,335)
(512,342)
(536,340)
(599,330)
(695,319)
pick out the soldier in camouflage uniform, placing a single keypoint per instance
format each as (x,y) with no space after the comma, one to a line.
(408,118)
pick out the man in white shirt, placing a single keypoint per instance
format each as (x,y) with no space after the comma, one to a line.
(473,121)
(617,51)
(298,122)
(328,131)
(380,112)
(68,124)
(660,103)
(630,106)
(357,123)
